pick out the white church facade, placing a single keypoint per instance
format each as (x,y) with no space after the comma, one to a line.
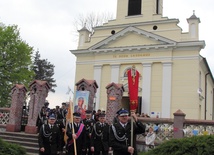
(173,73)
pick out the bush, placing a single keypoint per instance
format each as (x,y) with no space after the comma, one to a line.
(196,145)
(11,149)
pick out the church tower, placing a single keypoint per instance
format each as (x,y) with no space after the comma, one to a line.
(194,26)
(147,9)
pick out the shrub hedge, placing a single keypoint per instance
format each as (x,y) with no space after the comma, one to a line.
(196,145)
(11,149)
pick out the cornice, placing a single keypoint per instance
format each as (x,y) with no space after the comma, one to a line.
(200,44)
(137,24)
(147,61)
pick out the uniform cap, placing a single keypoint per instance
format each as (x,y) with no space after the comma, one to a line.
(77,115)
(51,116)
(123,112)
(63,103)
(88,111)
(102,115)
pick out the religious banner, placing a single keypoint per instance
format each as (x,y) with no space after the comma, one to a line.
(81,102)
(133,81)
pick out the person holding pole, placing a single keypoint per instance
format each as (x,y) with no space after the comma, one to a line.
(76,136)
(123,133)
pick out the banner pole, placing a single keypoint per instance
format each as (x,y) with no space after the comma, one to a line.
(73,132)
(132,122)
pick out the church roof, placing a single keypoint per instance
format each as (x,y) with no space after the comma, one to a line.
(194,17)
(136,30)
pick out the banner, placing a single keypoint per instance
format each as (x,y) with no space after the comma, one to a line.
(81,102)
(133,81)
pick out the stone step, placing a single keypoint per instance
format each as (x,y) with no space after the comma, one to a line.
(19,134)
(27,141)
(32,150)
(23,143)
(17,138)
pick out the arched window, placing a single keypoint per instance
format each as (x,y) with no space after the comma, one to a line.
(125,72)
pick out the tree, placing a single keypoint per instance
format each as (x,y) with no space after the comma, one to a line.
(15,61)
(44,70)
(91,20)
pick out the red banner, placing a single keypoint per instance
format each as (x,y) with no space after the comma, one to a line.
(133,81)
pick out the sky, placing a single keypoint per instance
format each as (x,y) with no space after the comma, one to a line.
(48,26)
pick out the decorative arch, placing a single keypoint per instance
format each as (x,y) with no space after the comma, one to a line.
(125,72)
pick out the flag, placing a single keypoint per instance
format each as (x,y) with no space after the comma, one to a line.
(69,118)
(133,81)
(69,89)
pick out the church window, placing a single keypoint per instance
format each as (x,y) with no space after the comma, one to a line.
(157,6)
(155,27)
(134,7)
(193,30)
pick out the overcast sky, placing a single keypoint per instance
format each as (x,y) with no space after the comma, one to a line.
(47,25)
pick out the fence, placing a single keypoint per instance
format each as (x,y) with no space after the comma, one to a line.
(178,127)
(4,118)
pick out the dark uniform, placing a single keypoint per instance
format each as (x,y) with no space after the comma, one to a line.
(61,124)
(42,118)
(96,117)
(89,123)
(100,138)
(61,121)
(80,141)
(120,136)
(49,138)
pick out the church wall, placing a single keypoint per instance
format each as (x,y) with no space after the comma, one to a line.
(188,53)
(184,87)
(106,77)
(210,86)
(209,100)
(84,71)
(184,77)
(156,87)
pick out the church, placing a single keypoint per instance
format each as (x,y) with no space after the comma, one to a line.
(173,74)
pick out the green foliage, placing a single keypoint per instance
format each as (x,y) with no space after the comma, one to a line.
(44,70)
(15,61)
(196,145)
(11,149)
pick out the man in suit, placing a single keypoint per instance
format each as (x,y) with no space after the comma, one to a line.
(89,123)
(79,136)
(120,133)
(49,137)
(100,136)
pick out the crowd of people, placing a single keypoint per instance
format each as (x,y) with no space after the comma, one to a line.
(91,135)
